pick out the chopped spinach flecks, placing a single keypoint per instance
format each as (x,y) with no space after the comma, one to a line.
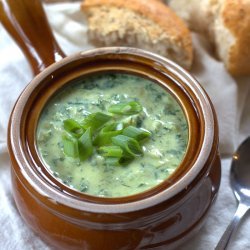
(161,115)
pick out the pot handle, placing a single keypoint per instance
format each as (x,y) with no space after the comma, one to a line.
(26,22)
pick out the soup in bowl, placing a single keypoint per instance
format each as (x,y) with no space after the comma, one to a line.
(114,143)
(140,140)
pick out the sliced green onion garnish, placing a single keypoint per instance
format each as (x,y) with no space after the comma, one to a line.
(125,160)
(128,108)
(105,138)
(70,145)
(115,161)
(95,120)
(106,133)
(130,146)
(117,142)
(112,161)
(114,126)
(136,133)
(85,146)
(111,151)
(73,127)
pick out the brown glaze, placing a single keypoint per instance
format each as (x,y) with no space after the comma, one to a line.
(26,22)
(175,224)
(116,64)
(161,218)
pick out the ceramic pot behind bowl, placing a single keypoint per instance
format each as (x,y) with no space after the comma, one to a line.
(160,218)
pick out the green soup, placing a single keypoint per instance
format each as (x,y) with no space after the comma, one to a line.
(161,115)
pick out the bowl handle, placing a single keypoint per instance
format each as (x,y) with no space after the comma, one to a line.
(26,22)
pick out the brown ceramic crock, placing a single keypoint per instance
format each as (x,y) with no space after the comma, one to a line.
(160,218)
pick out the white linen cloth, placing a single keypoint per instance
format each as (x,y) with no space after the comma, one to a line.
(230,97)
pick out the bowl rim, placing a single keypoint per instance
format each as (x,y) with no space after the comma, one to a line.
(59,197)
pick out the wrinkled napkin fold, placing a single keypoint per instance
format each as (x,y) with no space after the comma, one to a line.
(229,95)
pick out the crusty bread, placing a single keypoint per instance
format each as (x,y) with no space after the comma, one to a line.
(226,23)
(146,24)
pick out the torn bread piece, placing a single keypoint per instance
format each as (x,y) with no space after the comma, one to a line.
(145,24)
(227,25)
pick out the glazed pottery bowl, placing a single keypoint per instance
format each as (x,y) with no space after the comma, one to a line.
(162,217)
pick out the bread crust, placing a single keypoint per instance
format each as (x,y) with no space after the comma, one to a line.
(157,12)
(236,17)
(226,23)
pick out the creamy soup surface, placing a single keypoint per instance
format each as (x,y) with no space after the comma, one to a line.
(161,115)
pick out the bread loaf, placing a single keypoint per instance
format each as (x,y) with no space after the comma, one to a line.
(226,23)
(146,24)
